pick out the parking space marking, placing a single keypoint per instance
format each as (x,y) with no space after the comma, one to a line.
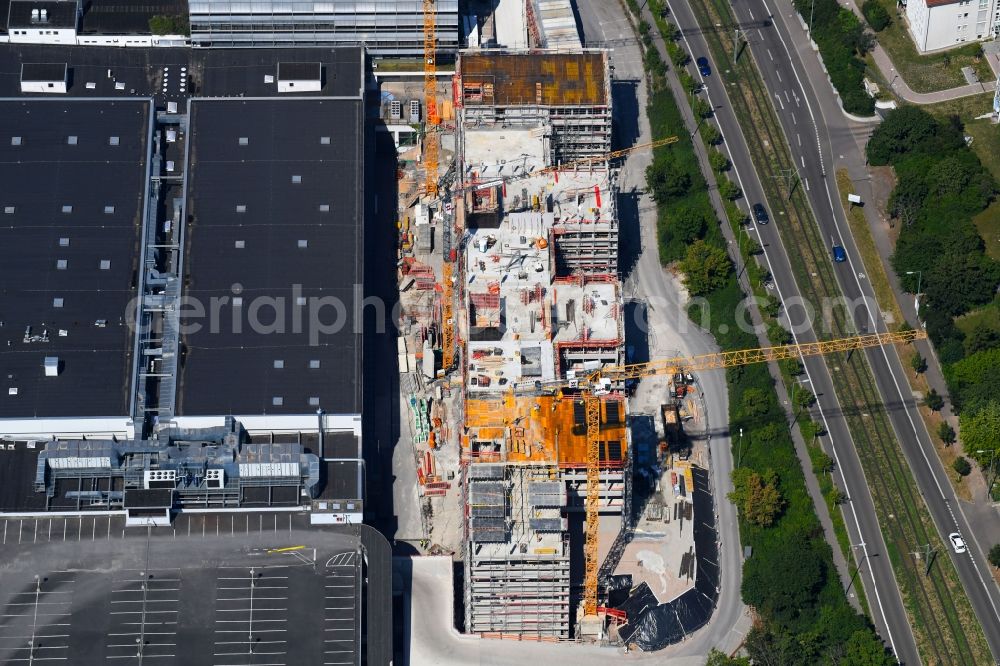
(144,619)
(251,614)
(340,641)
(31,630)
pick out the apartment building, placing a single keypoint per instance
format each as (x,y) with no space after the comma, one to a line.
(942,24)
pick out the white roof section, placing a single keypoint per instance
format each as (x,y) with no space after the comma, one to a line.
(558,24)
(511,24)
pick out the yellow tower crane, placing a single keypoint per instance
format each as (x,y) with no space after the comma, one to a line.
(590,383)
(431,146)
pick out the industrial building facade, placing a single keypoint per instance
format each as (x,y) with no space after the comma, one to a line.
(386,27)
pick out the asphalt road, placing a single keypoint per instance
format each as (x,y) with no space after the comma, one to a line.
(816,132)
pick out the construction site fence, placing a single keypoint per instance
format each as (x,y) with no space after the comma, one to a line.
(525,637)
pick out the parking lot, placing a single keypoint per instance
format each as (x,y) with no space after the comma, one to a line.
(219,589)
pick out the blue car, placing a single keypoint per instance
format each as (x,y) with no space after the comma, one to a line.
(703,67)
(838,254)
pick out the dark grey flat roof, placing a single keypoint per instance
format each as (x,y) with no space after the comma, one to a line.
(211,72)
(300,71)
(290,241)
(70,196)
(122,17)
(35,71)
(59,14)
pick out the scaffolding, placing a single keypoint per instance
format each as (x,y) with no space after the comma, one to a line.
(518,574)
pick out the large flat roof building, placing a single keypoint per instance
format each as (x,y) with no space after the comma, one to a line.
(74,174)
(276,194)
(169,270)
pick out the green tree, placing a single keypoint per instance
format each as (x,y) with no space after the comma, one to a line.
(783,578)
(933,400)
(757,496)
(962,466)
(981,432)
(804,398)
(756,402)
(981,338)
(705,267)
(810,429)
(946,433)
(903,130)
(822,462)
(689,222)
(918,363)
(719,658)
(710,133)
(876,15)
(729,190)
(701,108)
(667,177)
(865,649)
(718,161)
(994,555)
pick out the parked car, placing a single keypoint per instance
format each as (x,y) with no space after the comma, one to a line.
(957,542)
(760,213)
(703,66)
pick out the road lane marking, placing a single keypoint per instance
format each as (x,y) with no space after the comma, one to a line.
(750,11)
(779,75)
(769,55)
(778,97)
(798,137)
(803,158)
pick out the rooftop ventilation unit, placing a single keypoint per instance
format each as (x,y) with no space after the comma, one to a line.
(215,478)
(159,478)
(51,366)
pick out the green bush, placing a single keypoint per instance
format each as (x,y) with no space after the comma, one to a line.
(710,133)
(946,433)
(169,25)
(728,189)
(918,363)
(994,555)
(842,42)
(962,466)
(876,15)
(934,400)
(719,162)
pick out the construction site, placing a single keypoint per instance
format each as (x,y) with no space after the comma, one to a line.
(511,300)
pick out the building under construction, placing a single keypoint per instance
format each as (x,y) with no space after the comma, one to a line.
(542,297)
(567,94)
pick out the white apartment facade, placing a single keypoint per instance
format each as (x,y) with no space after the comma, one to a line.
(942,24)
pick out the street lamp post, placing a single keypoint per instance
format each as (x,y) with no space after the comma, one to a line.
(858,569)
(739,454)
(992,475)
(916,297)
